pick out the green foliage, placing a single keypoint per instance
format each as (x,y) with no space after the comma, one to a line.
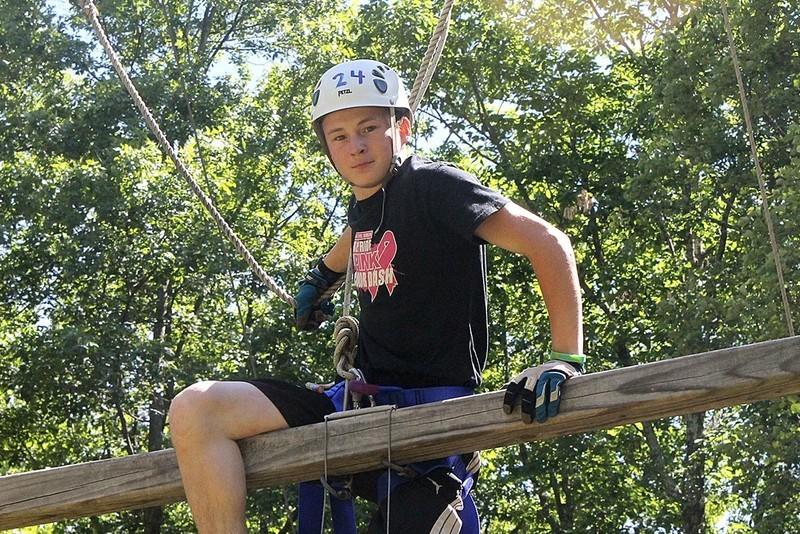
(620,122)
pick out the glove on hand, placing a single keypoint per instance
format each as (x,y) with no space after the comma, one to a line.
(310,311)
(539,389)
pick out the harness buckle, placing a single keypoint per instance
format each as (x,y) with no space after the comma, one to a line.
(344,493)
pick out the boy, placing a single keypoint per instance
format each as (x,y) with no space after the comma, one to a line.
(416,231)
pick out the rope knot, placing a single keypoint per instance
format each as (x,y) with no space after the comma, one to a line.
(346,335)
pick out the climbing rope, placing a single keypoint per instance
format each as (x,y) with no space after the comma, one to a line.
(346,335)
(776,254)
(432,56)
(346,329)
(90,11)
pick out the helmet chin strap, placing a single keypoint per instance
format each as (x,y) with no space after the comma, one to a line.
(396,157)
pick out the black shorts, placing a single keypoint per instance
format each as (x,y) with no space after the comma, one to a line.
(297,404)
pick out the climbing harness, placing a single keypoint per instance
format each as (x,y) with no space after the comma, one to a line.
(337,492)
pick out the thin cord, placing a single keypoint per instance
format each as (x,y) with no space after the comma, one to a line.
(389,473)
(325,498)
(776,254)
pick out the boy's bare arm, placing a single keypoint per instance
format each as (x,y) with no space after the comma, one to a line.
(550,252)
(336,258)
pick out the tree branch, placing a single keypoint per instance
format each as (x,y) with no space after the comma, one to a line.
(657,454)
(454,132)
(620,41)
(494,137)
(126,435)
(723,231)
(236,20)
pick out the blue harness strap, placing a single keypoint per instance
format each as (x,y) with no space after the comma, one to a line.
(471,523)
(402,398)
(310,506)
(311,495)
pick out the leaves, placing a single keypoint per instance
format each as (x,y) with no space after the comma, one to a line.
(617,121)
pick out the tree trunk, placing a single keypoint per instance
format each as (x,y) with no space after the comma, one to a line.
(154,517)
(693,507)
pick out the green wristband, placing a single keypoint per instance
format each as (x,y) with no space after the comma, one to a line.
(580,359)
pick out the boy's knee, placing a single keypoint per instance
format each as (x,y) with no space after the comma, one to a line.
(188,412)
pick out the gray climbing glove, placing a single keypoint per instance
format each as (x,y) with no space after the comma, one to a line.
(539,389)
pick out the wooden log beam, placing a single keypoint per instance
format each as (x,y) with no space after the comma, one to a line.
(601,400)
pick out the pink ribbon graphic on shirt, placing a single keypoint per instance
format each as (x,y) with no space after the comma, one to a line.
(374,267)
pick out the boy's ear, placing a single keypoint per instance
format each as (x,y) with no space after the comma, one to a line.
(404,127)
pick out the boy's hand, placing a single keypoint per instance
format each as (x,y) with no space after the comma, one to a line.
(539,390)
(310,312)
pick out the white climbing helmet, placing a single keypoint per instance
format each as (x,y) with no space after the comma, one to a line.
(352,84)
(362,82)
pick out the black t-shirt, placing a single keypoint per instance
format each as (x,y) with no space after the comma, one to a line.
(421,277)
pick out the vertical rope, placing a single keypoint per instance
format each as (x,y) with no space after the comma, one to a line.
(325,497)
(427,67)
(348,286)
(90,11)
(776,255)
(432,55)
(423,79)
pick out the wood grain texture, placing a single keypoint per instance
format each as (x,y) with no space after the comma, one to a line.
(601,400)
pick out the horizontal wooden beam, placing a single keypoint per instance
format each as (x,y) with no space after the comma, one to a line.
(359,443)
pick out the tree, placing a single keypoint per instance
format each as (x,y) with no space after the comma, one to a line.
(618,122)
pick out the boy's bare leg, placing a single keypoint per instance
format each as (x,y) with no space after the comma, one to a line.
(206,419)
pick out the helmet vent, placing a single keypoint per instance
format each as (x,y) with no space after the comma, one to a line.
(380,85)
